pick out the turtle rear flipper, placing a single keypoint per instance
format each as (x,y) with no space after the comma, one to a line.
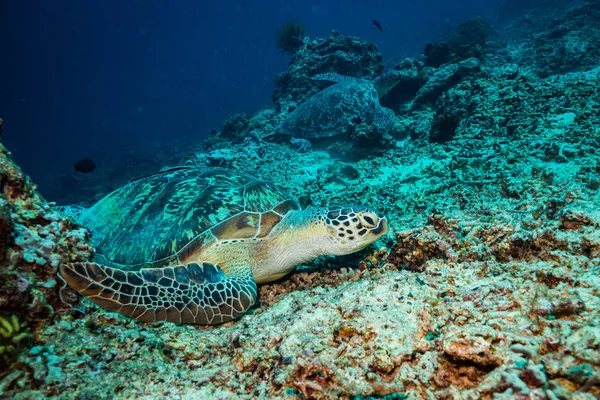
(196,293)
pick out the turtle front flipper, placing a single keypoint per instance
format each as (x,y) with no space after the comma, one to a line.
(196,293)
(384,118)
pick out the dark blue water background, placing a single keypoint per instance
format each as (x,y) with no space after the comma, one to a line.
(97,78)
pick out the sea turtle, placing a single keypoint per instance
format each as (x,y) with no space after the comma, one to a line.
(329,112)
(189,245)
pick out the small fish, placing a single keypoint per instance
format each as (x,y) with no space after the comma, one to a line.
(377,24)
(86,165)
(1,121)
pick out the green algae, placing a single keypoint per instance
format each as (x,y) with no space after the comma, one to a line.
(13,337)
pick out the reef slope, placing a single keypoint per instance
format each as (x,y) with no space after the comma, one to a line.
(489,286)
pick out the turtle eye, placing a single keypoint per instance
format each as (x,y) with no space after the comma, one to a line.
(369,220)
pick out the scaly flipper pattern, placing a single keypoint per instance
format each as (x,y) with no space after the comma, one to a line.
(196,293)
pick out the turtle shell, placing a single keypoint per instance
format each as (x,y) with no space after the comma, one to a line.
(329,112)
(161,219)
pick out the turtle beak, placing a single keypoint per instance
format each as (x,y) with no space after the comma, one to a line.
(382,228)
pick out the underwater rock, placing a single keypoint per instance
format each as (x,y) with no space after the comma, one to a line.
(436,54)
(466,41)
(411,80)
(472,31)
(445,78)
(241,127)
(34,240)
(344,55)
(458,327)
(488,288)
(6,227)
(472,345)
(511,8)
(440,100)
(559,41)
(236,126)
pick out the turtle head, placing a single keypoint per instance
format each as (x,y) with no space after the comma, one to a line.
(386,82)
(304,235)
(351,228)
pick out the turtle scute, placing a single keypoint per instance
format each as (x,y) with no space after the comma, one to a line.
(151,236)
(168,217)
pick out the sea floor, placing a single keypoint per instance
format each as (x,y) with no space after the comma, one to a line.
(487,287)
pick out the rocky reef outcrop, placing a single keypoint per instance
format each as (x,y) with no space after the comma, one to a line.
(34,240)
(559,43)
(344,55)
(487,287)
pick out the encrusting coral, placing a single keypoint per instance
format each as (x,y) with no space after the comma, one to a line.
(344,55)
(34,240)
(488,287)
(466,41)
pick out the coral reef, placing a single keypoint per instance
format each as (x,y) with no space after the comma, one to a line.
(345,55)
(236,126)
(512,8)
(489,286)
(240,127)
(413,78)
(473,31)
(34,240)
(444,78)
(466,41)
(554,42)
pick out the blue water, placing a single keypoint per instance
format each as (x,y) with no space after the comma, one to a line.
(99,78)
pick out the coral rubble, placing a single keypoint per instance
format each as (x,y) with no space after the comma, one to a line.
(488,288)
